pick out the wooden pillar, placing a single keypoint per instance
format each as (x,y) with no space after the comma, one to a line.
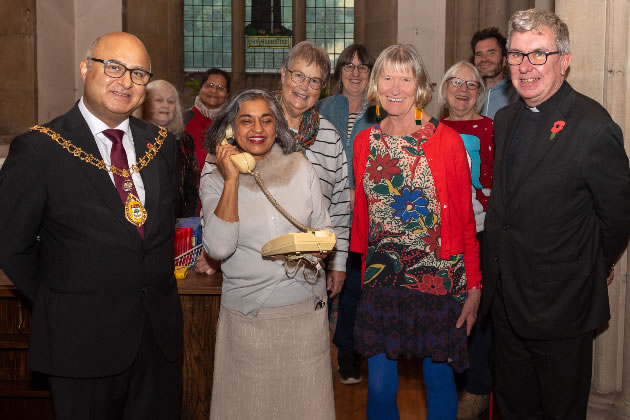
(299,21)
(514,5)
(381,24)
(238,43)
(467,23)
(494,13)
(545,4)
(359,21)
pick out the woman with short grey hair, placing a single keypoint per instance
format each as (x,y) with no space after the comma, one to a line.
(303,75)
(448,80)
(272,352)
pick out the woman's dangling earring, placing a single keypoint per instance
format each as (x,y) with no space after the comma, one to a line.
(418,116)
(378,112)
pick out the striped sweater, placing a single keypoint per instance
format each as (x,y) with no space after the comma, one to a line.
(329,160)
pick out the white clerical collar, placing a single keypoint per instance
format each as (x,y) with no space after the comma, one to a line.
(532,108)
(96,125)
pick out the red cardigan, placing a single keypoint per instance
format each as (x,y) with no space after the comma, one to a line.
(448,163)
(197,128)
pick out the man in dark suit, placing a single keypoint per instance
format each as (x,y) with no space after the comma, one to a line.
(557,220)
(90,242)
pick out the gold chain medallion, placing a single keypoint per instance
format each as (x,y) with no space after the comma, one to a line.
(135,212)
(99,163)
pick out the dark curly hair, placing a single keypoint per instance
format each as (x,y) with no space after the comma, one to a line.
(492,32)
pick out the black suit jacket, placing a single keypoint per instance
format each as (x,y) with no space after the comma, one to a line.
(91,277)
(554,239)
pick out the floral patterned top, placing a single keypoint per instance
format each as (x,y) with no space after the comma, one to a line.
(404,213)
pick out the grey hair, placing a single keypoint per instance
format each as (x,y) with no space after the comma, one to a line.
(90,51)
(308,52)
(535,20)
(227,115)
(442,97)
(401,57)
(176,126)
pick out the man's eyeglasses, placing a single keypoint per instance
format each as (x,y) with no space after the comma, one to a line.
(113,68)
(218,88)
(537,58)
(456,82)
(298,78)
(363,68)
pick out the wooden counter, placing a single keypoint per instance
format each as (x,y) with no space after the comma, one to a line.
(22,392)
(201,299)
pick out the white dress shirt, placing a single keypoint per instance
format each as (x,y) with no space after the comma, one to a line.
(105,145)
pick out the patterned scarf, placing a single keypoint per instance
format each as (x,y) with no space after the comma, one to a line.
(309,126)
(209,113)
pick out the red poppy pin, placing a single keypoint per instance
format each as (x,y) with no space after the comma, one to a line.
(557,127)
(150,146)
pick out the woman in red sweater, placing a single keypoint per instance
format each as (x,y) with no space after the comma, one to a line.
(215,87)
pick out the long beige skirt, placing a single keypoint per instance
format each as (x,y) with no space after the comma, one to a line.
(273,367)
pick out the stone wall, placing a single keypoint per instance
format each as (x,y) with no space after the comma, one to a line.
(600,68)
(18,84)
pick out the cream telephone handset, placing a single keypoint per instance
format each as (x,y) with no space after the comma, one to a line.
(309,240)
(244,162)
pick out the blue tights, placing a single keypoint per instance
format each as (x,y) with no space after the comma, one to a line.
(383,386)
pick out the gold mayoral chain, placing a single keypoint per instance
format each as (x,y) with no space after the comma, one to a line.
(135,212)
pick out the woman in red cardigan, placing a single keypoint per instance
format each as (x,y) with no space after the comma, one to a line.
(413,223)
(215,87)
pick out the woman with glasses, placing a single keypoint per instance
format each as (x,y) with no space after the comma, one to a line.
(413,224)
(272,351)
(304,73)
(347,111)
(215,87)
(462,93)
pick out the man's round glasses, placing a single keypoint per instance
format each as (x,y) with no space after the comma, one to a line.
(537,58)
(456,82)
(298,78)
(218,88)
(113,68)
(363,68)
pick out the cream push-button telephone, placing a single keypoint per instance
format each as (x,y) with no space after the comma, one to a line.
(309,240)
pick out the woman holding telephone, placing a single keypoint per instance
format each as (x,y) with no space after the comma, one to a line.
(272,355)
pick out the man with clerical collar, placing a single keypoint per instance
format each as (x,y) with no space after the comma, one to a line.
(87,216)
(557,220)
(488,48)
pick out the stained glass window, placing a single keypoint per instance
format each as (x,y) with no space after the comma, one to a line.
(330,24)
(268,34)
(207,35)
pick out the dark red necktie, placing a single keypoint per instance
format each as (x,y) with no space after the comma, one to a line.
(118,158)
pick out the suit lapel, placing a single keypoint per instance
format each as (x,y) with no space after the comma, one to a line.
(150,175)
(78,132)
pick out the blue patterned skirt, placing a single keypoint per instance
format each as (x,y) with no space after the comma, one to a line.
(408,323)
